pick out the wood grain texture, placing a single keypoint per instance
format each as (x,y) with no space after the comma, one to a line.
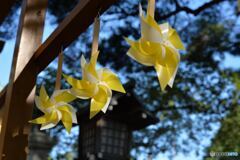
(17,109)
(81,17)
(20,92)
(73,25)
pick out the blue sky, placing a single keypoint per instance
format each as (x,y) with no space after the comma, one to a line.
(6,60)
(7,53)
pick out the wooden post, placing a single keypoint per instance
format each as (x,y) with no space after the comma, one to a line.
(19,94)
(0,119)
(17,109)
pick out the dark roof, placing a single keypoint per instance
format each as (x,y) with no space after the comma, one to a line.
(126,109)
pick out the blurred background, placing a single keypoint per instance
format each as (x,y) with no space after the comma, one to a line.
(200,114)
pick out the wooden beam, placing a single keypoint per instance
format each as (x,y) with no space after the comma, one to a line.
(81,17)
(2,100)
(19,100)
(14,134)
(72,26)
(1,113)
(5,8)
(3,96)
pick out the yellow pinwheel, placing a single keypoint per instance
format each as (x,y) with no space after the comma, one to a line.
(158,47)
(96,84)
(55,109)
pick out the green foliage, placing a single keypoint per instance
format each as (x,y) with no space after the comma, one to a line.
(227,138)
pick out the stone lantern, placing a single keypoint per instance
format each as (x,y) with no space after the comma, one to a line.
(40,145)
(108,136)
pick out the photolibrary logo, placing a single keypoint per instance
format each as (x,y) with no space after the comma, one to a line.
(212,154)
(223,154)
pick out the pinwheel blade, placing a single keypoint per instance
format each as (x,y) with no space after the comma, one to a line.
(100,101)
(67,120)
(175,39)
(63,95)
(112,80)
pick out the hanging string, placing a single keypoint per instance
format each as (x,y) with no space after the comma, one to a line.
(151,8)
(95,35)
(59,71)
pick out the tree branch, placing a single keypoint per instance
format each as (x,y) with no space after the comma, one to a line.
(187,9)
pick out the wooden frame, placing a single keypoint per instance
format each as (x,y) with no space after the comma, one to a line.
(18,103)
(16,100)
